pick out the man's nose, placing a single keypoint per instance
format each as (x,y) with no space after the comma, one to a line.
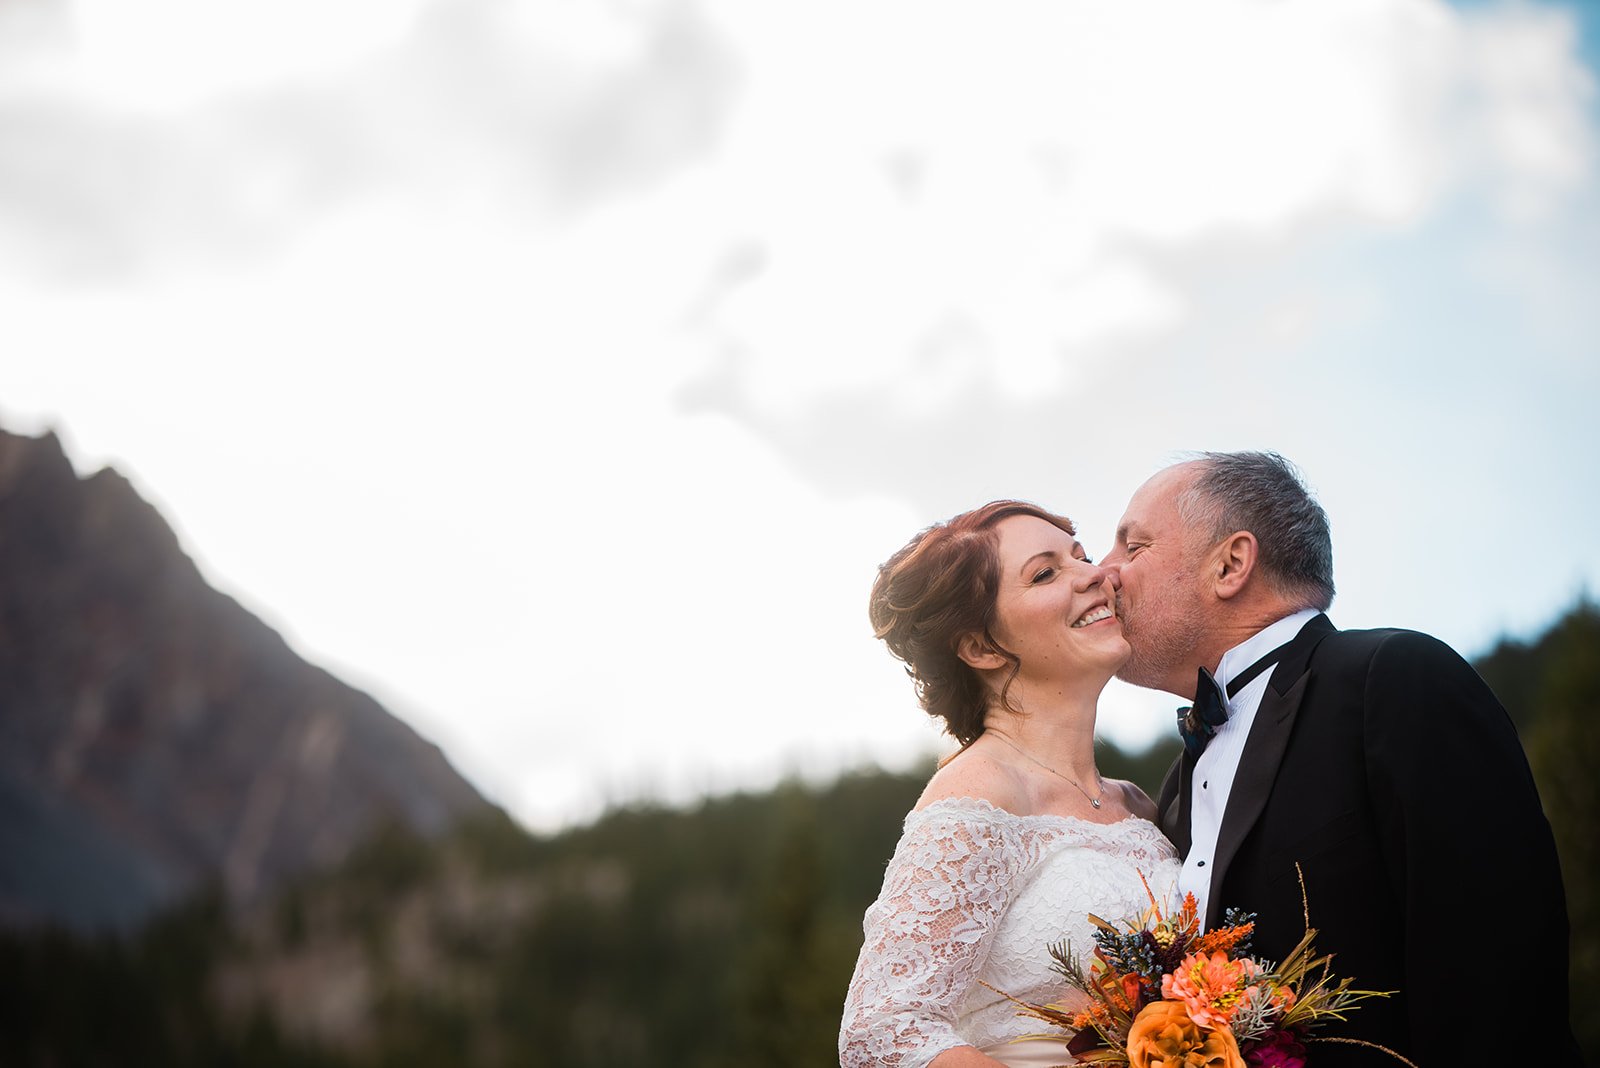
(1099,575)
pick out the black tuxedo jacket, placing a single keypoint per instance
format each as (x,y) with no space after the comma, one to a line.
(1382,764)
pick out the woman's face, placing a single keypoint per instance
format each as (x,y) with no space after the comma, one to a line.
(1055,610)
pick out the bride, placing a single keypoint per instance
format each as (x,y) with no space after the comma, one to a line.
(1010,634)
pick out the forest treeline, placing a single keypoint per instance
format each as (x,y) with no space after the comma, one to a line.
(712,937)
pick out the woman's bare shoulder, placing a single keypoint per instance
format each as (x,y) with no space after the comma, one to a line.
(1134,799)
(977,773)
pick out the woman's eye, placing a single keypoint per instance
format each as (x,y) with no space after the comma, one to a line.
(1044,574)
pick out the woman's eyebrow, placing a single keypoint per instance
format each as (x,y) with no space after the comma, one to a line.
(1029,561)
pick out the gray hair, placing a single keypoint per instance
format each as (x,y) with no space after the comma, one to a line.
(1263,493)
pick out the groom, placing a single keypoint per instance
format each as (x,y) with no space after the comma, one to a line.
(1375,760)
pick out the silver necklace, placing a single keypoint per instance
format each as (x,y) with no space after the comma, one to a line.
(1095,801)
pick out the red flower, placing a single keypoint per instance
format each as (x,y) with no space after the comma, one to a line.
(1276,1049)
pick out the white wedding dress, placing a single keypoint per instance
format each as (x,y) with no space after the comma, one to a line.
(978,893)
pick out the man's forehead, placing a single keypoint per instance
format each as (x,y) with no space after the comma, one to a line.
(1159,493)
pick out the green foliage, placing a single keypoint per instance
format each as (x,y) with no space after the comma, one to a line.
(71,1002)
(718,936)
(795,960)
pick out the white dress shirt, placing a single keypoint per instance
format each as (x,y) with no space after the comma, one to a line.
(1214,771)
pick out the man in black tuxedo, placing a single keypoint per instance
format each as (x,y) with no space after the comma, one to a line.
(1378,761)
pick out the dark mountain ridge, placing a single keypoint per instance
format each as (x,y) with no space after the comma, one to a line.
(156,737)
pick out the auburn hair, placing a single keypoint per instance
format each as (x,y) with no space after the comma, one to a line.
(941,587)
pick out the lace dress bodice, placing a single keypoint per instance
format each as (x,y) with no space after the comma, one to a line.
(975,892)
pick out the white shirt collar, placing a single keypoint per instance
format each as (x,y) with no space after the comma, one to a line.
(1260,644)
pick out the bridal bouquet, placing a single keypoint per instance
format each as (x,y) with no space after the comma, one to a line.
(1162,993)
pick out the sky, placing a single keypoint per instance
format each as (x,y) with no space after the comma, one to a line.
(560,371)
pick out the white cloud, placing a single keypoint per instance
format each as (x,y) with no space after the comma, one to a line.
(163,55)
(1021,176)
(1537,133)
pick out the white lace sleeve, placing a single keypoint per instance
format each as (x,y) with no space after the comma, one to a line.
(927,936)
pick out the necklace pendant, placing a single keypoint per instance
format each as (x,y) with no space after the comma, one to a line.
(1095,801)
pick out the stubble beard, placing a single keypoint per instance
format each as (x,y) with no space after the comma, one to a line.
(1163,637)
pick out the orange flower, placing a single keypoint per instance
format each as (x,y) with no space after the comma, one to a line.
(1163,1036)
(1189,914)
(1210,986)
(1095,1014)
(1222,938)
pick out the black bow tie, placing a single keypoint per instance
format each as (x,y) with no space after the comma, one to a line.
(1198,722)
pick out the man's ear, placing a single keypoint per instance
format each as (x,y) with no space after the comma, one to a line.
(1233,562)
(978,654)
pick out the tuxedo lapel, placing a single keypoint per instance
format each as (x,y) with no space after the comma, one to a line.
(1172,808)
(1263,752)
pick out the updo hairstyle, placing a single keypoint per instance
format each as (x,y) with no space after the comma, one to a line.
(942,586)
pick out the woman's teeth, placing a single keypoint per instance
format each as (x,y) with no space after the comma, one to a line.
(1094,615)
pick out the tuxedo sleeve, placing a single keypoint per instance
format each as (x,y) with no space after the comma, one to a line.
(1467,848)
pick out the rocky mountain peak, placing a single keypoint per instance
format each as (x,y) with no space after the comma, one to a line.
(155,736)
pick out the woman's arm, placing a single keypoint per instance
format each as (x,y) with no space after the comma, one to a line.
(927,939)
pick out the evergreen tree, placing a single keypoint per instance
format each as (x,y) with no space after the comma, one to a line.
(1563,744)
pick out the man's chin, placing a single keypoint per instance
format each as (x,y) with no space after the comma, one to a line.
(1145,675)
(1130,674)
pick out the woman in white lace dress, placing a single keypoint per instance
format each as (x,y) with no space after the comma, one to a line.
(1010,634)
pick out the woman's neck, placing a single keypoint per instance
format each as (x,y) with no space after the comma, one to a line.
(1058,734)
